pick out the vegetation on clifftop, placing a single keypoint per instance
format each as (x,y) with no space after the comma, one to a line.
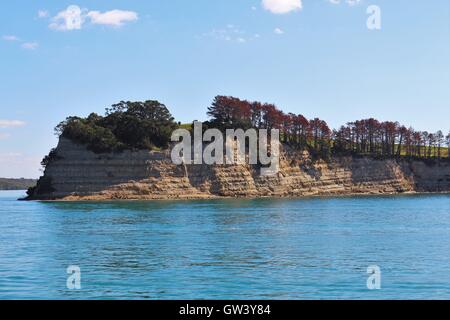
(149,125)
(367,137)
(126,125)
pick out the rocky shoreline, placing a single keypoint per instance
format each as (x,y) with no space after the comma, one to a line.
(105,198)
(77,174)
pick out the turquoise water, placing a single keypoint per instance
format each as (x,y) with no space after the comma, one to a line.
(232,249)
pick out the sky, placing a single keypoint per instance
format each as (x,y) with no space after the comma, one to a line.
(318,58)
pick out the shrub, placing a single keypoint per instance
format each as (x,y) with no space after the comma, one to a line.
(53,155)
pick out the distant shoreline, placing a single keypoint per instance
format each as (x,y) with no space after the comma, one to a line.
(11,184)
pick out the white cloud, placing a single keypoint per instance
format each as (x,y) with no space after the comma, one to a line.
(353,2)
(73,18)
(282,6)
(10,38)
(278,31)
(231,33)
(43,14)
(70,19)
(24,44)
(112,18)
(349,2)
(11,123)
(30,45)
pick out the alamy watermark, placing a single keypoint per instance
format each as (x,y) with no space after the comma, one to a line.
(74,279)
(230,149)
(374,279)
(374,19)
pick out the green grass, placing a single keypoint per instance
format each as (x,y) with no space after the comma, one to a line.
(434,151)
(444,150)
(186,126)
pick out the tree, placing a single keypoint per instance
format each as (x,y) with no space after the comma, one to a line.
(439,136)
(430,138)
(149,124)
(230,113)
(272,117)
(301,125)
(141,125)
(321,135)
(402,133)
(447,138)
(127,125)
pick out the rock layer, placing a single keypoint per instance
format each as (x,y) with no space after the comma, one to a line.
(79,174)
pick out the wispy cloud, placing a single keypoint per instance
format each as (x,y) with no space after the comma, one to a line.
(10,38)
(30,45)
(43,14)
(11,123)
(231,33)
(286,6)
(282,6)
(24,44)
(114,18)
(74,17)
(278,31)
(349,2)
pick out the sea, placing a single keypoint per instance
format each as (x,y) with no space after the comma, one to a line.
(365,247)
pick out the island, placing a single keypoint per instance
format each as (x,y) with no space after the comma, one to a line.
(126,155)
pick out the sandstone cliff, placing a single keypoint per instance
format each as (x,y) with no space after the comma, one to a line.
(80,174)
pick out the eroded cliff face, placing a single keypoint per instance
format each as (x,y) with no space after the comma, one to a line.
(80,174)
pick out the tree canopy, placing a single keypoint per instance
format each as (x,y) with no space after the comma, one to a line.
(149,125)
(126,125)
(362,137)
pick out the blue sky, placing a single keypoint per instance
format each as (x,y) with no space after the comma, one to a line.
(313,57)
